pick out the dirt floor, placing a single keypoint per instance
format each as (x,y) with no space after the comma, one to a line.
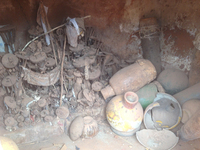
(105,140)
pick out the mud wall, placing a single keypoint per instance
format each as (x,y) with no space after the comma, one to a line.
(117,23)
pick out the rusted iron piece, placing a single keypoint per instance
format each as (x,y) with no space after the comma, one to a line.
(97,86)
(22,55)
(20,118)
(77,49)
(38,57)
(42,102)
(94,73)
(9,60)
(82,61)
(47,49)
(10,102)
(44,113)
(47,79)
(10,121)
(2,69)
(48,118)
(2,92)
(50,62)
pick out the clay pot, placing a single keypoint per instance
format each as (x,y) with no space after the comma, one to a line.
(173,80)
(157,140)
(90,127)
(164,113)
(191,129)
(130,78)
(188,94)
(189,108)
(147,94)
(150,42)
(124,113)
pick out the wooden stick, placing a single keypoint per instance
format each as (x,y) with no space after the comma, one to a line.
(61,72)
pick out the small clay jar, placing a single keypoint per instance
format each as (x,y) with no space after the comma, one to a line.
(124,113)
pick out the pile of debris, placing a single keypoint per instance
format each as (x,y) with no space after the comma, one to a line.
(42,82)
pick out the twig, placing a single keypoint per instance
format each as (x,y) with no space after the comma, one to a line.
(42,35)
(61,72)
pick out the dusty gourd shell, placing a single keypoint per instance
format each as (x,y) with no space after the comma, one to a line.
(50,62)
(42,102)
(94,73)
(9,81)
(189,108)
(76,128)
(10,102)
(2,69)
(9,60)
(20,118)
(38,57)
(1,112)
(10,121)
(44,113)
(2,92)
(90,127)
(25,112)
(62,112)
(97,86)
(48,118)
(47,49)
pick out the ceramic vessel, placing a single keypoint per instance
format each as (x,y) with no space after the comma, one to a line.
(173,80)
(124,113)
(130,78)
(191,129)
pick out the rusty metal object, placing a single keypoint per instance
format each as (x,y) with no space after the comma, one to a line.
(10,121)
(47,49)
(97,86)
(130,78)
(42,102)
(47,79)
(2,69)
(10,102)
(38,57)
(20,118)
(62,112)
(2,92)
(9,81)
(25,113)
(94,73)
(22,55)
(77,49)
(44,113)
(48,118)
(82,61)
(50,62)
(9,60)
